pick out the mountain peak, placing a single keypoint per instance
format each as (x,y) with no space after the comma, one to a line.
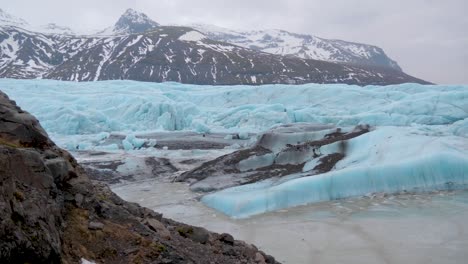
(133,21)
(132,12)
(8,19)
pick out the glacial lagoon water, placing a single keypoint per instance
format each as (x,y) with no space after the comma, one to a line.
(405,228)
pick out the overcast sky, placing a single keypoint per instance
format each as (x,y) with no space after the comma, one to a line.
(428,38)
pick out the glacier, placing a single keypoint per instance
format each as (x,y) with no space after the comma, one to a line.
(418,141)
(387,160)
(70,108)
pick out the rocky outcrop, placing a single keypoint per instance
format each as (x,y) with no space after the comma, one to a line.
(50,212)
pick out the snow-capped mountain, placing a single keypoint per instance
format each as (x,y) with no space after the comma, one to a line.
(138,48)
(131,22)
(8,19)
(303,46)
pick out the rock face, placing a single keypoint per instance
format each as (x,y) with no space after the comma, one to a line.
(133,22)
(32,171)
(50,212)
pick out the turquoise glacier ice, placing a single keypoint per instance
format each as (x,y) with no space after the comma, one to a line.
(419,140)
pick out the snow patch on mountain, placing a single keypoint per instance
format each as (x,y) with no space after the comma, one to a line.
(192,36)
(282,42)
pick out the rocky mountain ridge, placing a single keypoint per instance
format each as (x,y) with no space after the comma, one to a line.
(282,42)
(137,48)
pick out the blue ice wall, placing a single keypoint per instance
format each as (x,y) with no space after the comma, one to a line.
(87,108)
(440,171)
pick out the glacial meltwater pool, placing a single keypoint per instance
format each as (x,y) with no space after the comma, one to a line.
(405,228)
